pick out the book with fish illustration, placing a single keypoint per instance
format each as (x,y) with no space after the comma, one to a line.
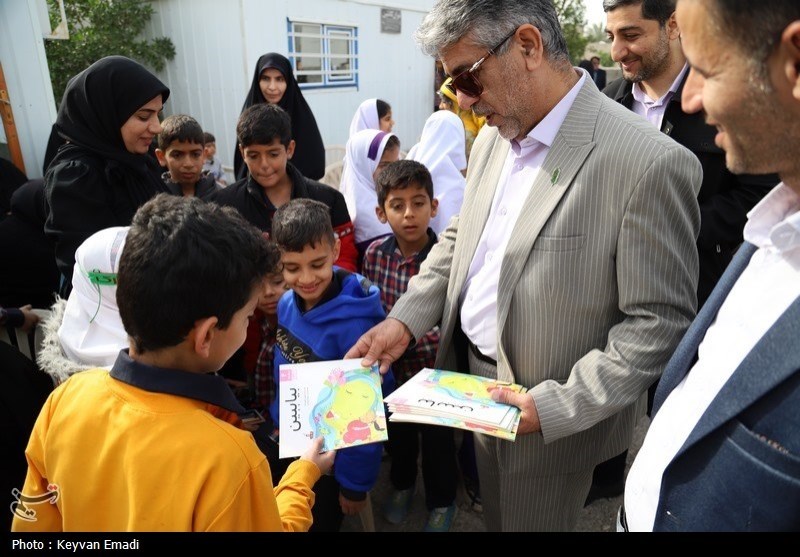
(337,400)
(454,399)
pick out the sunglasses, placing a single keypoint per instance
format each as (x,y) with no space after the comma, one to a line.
(466,82)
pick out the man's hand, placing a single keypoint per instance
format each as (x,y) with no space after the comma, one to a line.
(529,420)
(351,507)
(31,319)
(324,461)
(383,343)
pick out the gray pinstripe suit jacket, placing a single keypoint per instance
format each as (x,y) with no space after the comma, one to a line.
(598,282)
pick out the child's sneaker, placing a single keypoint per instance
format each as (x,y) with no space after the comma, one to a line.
(441,519)
(396,508)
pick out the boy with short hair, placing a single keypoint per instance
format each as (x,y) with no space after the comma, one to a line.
(326,312)
(264,133)
(259,345)
(158,443)
(212,165)
(180,151)
(406,202)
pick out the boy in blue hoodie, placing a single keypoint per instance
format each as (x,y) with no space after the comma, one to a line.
(320,318)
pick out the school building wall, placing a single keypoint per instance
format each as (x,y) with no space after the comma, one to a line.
(218,43)
(23,24)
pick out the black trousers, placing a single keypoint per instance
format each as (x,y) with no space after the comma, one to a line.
(439,468)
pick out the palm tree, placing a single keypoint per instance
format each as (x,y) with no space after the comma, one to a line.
(596,33)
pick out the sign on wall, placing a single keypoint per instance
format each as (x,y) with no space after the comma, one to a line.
(390,20)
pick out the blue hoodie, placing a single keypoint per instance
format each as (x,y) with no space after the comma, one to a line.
(351,306)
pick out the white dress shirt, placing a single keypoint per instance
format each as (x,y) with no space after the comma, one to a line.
(652,110)
(479,295)
(763,292)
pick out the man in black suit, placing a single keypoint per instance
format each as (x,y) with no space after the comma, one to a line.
(598,74)
(645,41)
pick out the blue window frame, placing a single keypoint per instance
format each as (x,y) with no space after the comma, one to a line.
(323,55)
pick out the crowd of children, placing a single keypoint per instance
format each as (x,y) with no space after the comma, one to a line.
(216,287)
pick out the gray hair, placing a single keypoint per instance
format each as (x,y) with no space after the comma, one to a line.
(487,22)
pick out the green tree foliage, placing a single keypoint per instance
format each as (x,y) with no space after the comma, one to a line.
(597,33)
(571,14)
(99,28)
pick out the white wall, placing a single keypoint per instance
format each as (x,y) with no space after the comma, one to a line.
(28,79)
(206,74)
(219,41)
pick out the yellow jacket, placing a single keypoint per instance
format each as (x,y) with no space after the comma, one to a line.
(127,459)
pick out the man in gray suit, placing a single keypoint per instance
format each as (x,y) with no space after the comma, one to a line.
(572,268)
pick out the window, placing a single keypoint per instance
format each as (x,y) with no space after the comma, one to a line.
(323,55)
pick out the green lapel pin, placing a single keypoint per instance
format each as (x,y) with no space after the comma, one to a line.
(554,177)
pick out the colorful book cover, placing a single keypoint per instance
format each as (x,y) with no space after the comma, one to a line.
(507,422)
(509,434)
(452,394)
(337,400)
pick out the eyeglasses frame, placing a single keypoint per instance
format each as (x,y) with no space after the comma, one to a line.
(471,71)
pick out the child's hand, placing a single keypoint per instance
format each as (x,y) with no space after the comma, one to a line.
(351,507)
(31,319)
(324,461)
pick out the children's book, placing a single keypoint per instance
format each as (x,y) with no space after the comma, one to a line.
(337,400)
(507,434)
(455,399)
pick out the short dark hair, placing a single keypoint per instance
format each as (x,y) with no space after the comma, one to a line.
(401,174)
(208,137)
(755,27)
(300,223)
(658,10)
(593,58)
(184,260)
(262,123)
(383,108)
(180,127)
(392,142)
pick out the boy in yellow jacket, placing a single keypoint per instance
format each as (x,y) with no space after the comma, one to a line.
(160,442)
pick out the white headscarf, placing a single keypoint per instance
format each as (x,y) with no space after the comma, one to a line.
(91,332)
(442,150)
(366,117)
(362,155)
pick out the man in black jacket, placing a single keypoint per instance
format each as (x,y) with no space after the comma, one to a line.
(598,73)
(645,41)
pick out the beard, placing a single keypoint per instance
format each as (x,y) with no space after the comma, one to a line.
(510,126)
(513,102)
(652,65)
(760,132)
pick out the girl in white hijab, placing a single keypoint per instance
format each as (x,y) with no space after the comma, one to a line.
(89,331)
(366,154)
(442,149)
(372,114)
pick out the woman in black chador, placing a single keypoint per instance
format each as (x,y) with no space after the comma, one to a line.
(274,82)
(104,172)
